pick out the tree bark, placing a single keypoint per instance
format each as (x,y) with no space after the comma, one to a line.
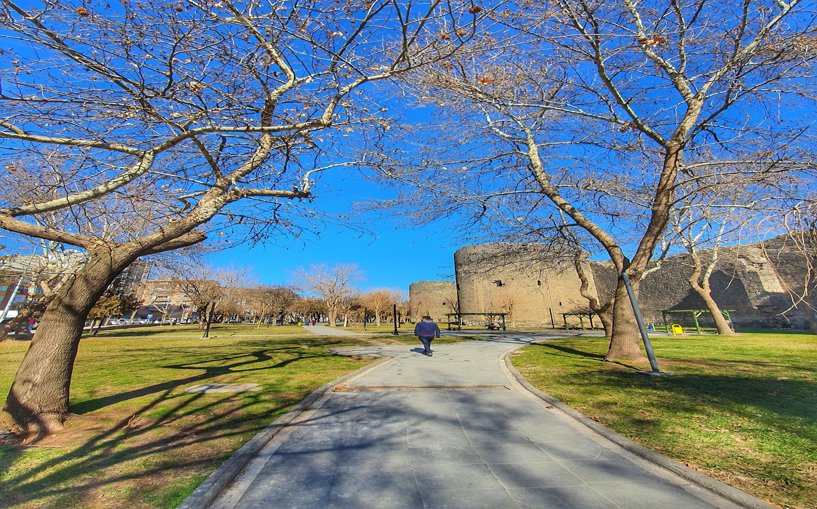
(38,399)
(208,320)
(721,324)
(606,317)
(625,338)
(624,344)
(603,311)
(705,293)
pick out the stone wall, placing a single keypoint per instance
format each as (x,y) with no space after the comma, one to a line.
(432,298)
(754,282)
(531,285)
(751,281)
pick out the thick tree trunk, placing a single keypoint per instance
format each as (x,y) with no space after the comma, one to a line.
(38,399)
(625,338)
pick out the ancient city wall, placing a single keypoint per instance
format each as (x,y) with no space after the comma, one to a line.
(534,288)
(747,282)
(755,282)
(432,298)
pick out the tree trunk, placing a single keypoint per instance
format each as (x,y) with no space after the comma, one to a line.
(38,399)
(606,316)
(625,338)
(602,310)
(96,324)
(721,323)
(208,320)
(705,293)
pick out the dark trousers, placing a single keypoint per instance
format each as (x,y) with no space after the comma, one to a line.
(426,340)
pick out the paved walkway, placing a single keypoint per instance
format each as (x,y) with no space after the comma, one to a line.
(450,431)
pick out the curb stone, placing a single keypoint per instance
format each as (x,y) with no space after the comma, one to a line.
(707,483)
(207,492)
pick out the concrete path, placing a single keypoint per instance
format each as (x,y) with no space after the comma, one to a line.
(451,431)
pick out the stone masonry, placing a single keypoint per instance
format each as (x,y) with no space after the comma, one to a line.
(755,282)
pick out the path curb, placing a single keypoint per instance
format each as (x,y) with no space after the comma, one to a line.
(708,483)
(211,488)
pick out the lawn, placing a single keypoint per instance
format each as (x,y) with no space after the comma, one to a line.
(741,409)
(138,439)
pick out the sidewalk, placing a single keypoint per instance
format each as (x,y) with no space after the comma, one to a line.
(451,431)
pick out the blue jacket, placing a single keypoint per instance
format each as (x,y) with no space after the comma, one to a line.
(427,328)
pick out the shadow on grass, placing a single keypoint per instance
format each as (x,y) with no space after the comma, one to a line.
(756,390)
(581,353)
(144,449)
(240,364)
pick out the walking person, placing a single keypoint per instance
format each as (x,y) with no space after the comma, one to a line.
(427,330)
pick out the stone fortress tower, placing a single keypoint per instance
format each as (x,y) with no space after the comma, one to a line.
(520,280)
(432,298)
(757,283)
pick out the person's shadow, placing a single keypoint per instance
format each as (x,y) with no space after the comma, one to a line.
(418,349)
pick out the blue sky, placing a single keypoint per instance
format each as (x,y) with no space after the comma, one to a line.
(394,258)
(392,254)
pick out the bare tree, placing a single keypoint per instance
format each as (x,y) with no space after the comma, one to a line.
(309,308)
(801,227)
(275,302)
(602,109)
(234,283)
(381,302)
(199,285)
(333,286)
(215,113)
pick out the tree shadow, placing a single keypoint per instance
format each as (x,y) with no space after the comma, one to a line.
(573,352)
(168,434)
(209,372)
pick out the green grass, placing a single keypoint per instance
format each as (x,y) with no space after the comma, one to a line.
(138,439)
(741,409)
